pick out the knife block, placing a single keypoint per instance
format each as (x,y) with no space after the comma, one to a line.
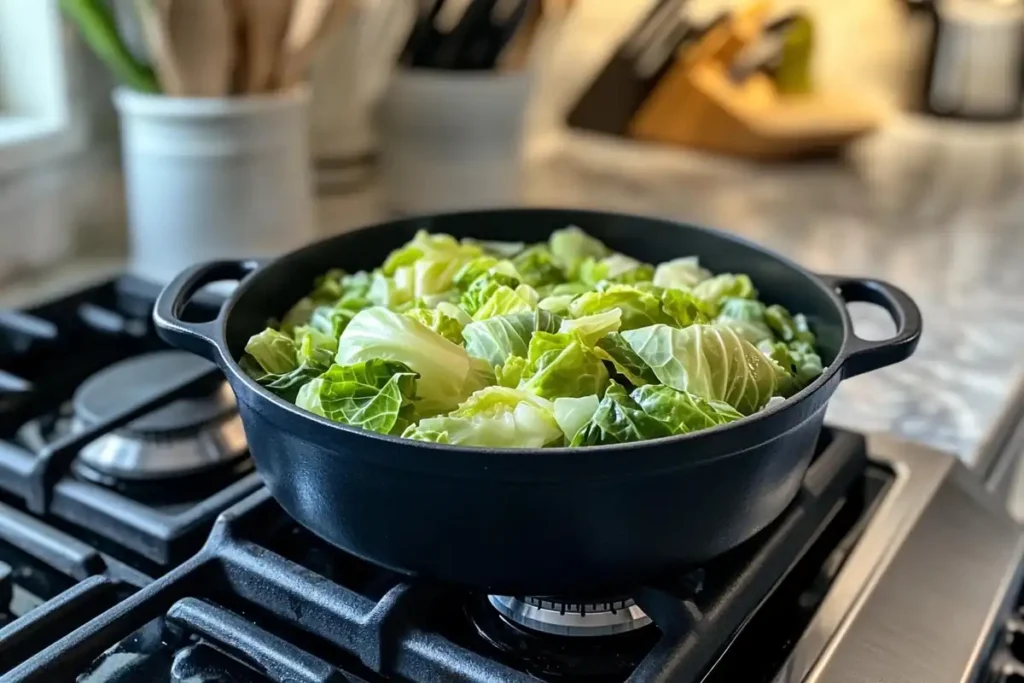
(700,107)
(698,104)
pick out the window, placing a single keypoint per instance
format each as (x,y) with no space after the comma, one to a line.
(36,117)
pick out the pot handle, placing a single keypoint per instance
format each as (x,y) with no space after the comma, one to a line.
(865,356)
(199,338)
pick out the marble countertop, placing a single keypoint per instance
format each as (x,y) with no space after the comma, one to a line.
(937,209)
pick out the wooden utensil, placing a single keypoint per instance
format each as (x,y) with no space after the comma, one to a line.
(195,40)
(724,41)
(558,7)
(698,104)
(154,32)
(263,27)
(310,19)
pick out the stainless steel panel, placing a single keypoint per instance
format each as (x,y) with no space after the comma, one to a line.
(921,596)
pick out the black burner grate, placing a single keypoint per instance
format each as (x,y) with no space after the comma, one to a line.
(71,548)
(45,354)
(50,584)
(270,602)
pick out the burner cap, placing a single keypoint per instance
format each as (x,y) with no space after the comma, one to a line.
(567,618)
(138,379)
(187,436)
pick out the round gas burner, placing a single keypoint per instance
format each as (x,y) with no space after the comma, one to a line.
(184,437)
(599,658)
(568,618)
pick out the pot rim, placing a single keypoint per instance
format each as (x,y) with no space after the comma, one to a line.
(230,364)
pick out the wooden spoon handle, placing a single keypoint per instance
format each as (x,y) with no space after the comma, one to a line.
(201,37)
(265,23)
(310,20)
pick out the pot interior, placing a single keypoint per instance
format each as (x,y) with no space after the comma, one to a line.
(270,292)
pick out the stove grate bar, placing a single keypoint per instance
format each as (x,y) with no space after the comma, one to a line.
(15,468)
(32,633)
(66,658)
(13,384)
(432,658)
(27,325)
(264,578)
(380,634)
(196,516)
(55,549)
(694,633)
(272,656)
(391,644)
(375,632)
(104,319)
(158,536)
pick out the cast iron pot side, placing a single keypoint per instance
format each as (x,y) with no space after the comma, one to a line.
(535,522)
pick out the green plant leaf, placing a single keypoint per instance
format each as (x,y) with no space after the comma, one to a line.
(682,411)
(558,303)
(562,365)
(684,308)
(747,318)
(273,351)
(639,308)
(444,368)
(510,373)
(680,273)
(570,247)
(545,332)
(788,328)
(483,288)
(616,268)
(424,245)
(471,271)
(498,249)
(286,385)
(495,417)
(376,395)
(497,338)
(537,267)
(618,419)
(506,301)
(614,349)
(572,413)
(798,359)
(717,289)
(447,320)
(592,328)
(711,361)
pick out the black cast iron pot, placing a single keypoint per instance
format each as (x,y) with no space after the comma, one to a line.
(535,522)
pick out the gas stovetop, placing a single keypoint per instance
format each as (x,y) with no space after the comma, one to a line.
(894,563)
(266,601)
(117,454)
